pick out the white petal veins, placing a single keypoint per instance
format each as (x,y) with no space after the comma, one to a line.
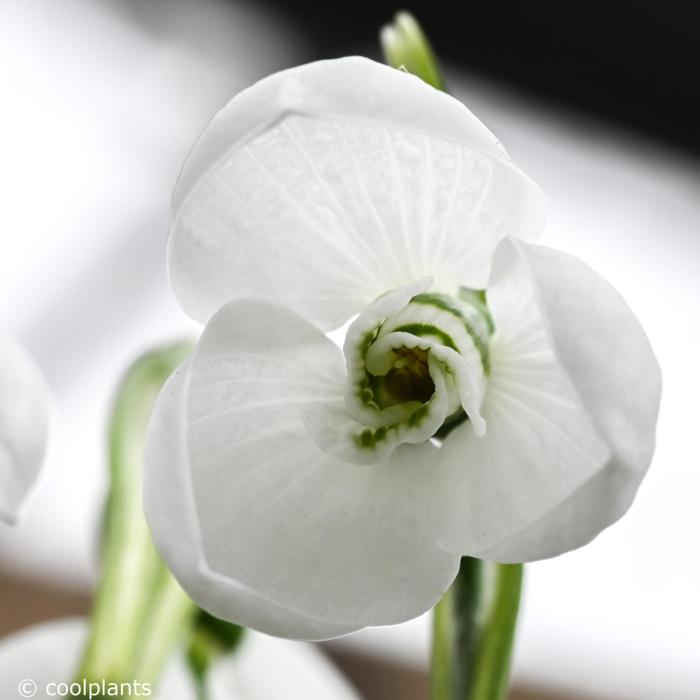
(609,359)
(541,445)
(258,523)
(335,182)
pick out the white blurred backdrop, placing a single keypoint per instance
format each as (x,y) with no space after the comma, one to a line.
(100,102)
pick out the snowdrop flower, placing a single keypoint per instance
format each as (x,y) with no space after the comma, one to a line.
(24,423)
(48,654)
(492,398)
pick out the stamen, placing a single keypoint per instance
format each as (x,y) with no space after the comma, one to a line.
(410,379)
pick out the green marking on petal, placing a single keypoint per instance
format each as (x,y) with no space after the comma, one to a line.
(439,301)
(476,300)
(368,339)
(366,438)
(369,438)
(366,386)
(418,415)
(426,329)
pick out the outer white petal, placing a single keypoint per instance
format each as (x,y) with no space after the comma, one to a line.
(24,425)
(336,181)
(172,517)
(260,525)
(50,653)
(607,355)
(265,668)
(541,446)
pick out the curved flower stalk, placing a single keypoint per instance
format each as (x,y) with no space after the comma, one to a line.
(492,398)
(48,654)
(24,426)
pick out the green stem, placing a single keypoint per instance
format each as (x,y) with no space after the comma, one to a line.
(134,590)
(406,47)
(473,632)
(172,613)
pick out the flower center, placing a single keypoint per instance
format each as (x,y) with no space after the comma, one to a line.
(408,380)
(417,363)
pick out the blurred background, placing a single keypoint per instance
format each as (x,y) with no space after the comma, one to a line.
(101,101)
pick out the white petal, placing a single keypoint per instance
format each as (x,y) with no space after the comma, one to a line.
(49,653)
(335,181)
(540,446)
(607,355)
(43,653)
(260,525)
(24,424)
(172,517)
(265,668)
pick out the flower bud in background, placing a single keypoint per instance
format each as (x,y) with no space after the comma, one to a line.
(24,426)
(42,657)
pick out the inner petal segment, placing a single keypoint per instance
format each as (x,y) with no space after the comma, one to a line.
(416,361)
